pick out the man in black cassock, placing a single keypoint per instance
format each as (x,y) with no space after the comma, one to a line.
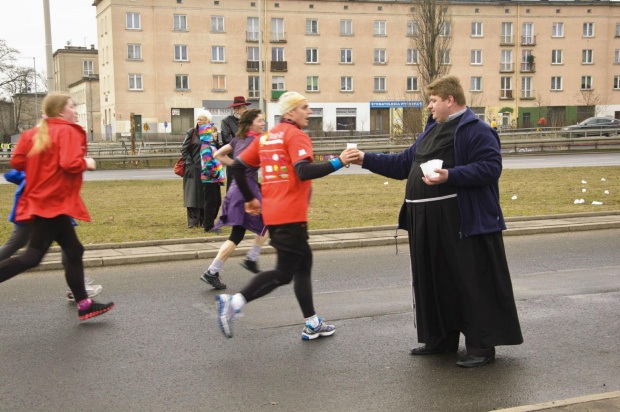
(461,282)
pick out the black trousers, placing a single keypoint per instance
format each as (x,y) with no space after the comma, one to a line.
(294,263)
(44,231)
(213,200)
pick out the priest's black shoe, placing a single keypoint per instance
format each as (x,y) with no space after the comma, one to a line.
(470,361)
(425,350)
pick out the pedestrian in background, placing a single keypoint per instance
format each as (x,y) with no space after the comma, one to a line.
(212,174)
(53,157)
(461,282)
(251,126)
(193,198)
(230,126)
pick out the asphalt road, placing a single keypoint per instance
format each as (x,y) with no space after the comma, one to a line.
(160,349)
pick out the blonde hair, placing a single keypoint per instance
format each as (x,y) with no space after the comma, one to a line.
(53,104)
(289,102)
(206,114)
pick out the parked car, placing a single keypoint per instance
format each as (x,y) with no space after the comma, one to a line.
(594,126)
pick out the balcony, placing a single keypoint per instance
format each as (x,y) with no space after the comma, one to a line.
(275,94)
(252,66)
(507,40)
(528,67)
(278,37)
(527,95)
(528,40)
(506,67)
(505,95)
(278,66)
(252,36)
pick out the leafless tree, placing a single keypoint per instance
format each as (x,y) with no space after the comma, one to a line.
(592,100)
(431,35)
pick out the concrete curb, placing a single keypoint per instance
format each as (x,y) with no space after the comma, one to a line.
(600,402)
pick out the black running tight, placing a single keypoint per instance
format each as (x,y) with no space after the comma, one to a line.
(44,231)
(290,266)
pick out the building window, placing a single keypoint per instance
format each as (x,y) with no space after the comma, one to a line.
(133,21)
(476,29)
(345,119)
(312,55)
(89,69)
(476,57)
(617,29)
(219,83)
(526,88)
(218,54)
(380,84)
(380,56)
(253,87)
(588,29)
(135,82)
(506,88)
(616,56)
(445,29)
(253,31)
(277,54)
(346,27)
(445,57)
(380,28)
(346,84)
(587,56)
(346,56)
(476,84)
(413,56)
(412,84)
(277,83)
(312,83)
(134,52)
(253,54)
(507,33)
(557,30)
(277,29)
(312,26)
(179,22)
(586,82)
(528,37)
(506,61)
(180,52)
(616,82)
(412,28)
(557,57)
(217,24)
(182,82)
(556,83)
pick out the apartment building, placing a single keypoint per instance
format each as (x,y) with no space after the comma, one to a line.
(356,61)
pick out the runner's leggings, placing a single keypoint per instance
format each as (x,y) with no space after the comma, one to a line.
(43,232)
(290,266)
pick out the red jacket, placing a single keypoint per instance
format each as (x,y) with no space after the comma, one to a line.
(54,176)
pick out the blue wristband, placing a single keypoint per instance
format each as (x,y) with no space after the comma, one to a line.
(336,163)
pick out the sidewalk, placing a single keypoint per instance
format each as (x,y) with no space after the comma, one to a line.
(206,248)
(604,402)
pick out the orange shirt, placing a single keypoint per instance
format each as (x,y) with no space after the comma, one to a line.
(54,176)
(285,197)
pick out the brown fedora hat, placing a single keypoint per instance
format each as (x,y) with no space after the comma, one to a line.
(239,101)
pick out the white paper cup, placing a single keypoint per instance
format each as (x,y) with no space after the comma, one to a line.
(351,145)
(429,167)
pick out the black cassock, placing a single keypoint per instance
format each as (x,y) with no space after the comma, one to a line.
(460,283)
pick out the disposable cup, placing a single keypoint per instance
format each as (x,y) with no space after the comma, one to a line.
(351,145)
(429,167)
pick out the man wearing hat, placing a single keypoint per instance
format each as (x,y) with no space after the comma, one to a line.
(229,127)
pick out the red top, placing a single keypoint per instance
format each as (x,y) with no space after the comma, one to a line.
(54,176)
(285,197)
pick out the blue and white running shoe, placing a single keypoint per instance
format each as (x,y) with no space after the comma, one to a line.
(323,330)
(226,314)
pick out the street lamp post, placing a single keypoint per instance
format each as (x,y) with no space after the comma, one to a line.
(36,98)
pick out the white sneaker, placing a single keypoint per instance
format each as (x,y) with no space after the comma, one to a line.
(91,291)
(226,314)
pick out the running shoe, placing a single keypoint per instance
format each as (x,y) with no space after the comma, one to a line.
(95,309)
(91,291)
(213,280)
(323,330)
(250,265)
(226,314)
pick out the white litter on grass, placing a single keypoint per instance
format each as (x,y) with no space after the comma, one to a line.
(583,190)
(579,201)
(606,192)
(386,183)
(603,179)
(583,182)
(514,197)
(597,203)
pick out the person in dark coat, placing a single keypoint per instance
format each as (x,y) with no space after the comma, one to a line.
(461,282)
(230,126)
(193,198)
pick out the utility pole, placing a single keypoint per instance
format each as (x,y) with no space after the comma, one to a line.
(36,98)
(48,47)
(90,93)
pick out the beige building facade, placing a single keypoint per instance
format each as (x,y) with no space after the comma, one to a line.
(355,61)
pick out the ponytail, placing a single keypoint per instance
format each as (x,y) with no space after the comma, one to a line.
(53,104)
(41,139)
